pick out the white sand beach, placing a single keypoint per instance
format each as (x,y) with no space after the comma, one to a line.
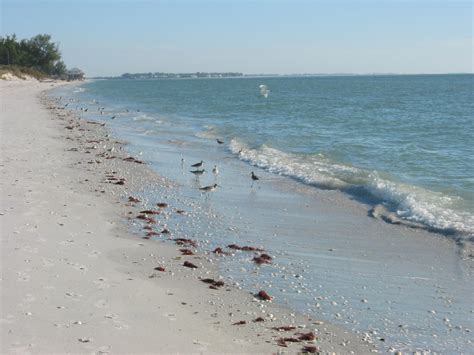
(75,280)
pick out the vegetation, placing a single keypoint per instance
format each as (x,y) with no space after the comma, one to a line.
(37,56)
(21,72)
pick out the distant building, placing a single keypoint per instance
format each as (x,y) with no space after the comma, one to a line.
(75,74)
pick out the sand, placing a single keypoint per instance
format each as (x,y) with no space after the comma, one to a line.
(77,276)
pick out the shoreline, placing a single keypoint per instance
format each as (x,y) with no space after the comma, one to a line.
(386,282)
(84,283)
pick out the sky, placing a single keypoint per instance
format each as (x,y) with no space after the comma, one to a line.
(111,37)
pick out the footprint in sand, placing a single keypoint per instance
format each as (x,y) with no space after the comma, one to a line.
(29,298)
(105,349)
(47,262)
(120,325)
(78,267)
(102,304)
(74,296)
(94,254)
(23,276)
(170,316)
(9,319)
(30,249)
(101,283)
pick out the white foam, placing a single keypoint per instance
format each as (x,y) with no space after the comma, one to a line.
(210,132)
(412,203)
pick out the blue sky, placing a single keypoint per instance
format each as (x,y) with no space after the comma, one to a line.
(105,37)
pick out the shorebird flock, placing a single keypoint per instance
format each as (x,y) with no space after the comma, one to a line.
(198,168)
(199,171)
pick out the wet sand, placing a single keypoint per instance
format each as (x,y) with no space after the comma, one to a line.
(78,274)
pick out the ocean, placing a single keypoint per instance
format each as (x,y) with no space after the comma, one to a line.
(404,141)
(331,153)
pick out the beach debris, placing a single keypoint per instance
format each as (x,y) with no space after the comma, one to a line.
(291,340)
(160,268)
(184,241)
(244,248)
(263,296)
(240,322)
(311,349)
(151,234)
(219,250)
(182,212)
(262,259)
(165,231)
(162,204)
(284,328)
(150,212)
(186,252)
(133,160)
(214,284)
(259,319)
(85,340)
(281,342)
(145,218)
(219,141)
(190,265)
(306,336)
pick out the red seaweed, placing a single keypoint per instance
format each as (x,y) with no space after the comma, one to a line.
(133,160)
(284,328)
(306,336)
(150,212)
(219,250)
(310,349)
(264,296)
(190,265)
(184,241)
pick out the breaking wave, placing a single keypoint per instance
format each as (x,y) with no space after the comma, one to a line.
(402,203)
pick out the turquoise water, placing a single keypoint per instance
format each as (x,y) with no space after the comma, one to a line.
(404,141)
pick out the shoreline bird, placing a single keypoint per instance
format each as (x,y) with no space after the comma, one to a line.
(208,189)
(215,170)
(198,172)
(198,165)
(254,177)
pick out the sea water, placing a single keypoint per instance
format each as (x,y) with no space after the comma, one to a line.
(401,142)
(405,141)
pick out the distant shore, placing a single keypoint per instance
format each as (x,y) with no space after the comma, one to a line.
(74,278)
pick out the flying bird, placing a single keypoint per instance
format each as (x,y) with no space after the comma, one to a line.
(264,91)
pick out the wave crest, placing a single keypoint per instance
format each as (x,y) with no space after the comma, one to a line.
(415,205)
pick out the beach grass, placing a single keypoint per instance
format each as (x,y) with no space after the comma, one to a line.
(21,72)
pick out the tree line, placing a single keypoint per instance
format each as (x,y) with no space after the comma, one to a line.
(38,53)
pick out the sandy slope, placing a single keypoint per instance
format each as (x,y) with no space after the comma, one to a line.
(73,279)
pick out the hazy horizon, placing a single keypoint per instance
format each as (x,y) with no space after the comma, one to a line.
(109,38)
